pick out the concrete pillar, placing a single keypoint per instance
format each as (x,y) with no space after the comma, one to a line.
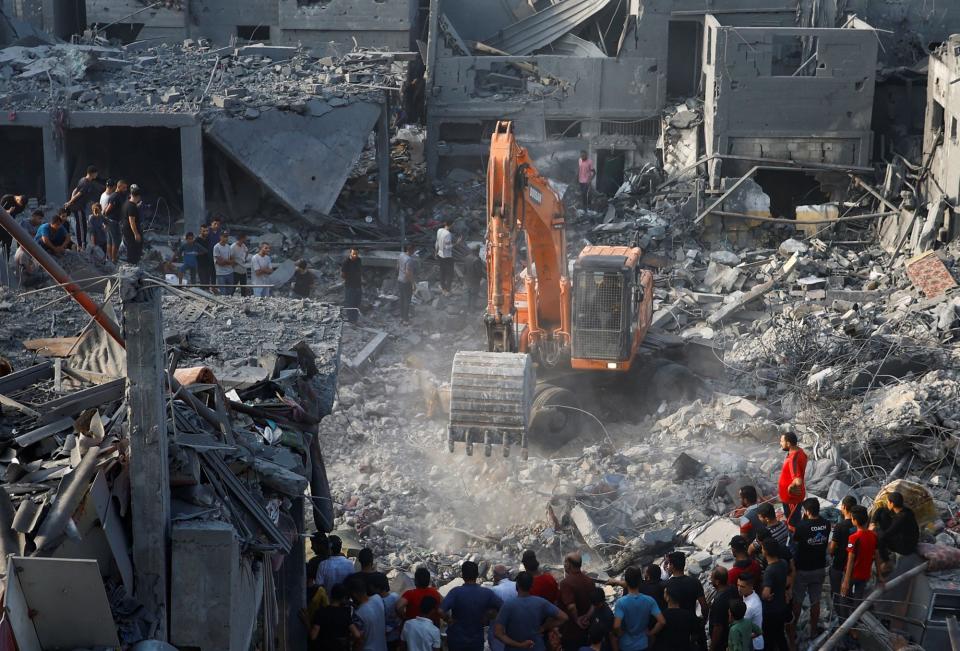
(56,182)
(149,469)
(191,165)
(293,578)
(383,160)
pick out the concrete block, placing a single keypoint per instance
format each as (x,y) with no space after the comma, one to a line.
(715,535)
(221,101)
(303,160)
(214,594)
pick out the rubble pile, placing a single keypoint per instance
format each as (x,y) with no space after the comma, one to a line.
(192,77)
(250,381)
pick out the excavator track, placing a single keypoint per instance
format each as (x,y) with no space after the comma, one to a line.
(490,400)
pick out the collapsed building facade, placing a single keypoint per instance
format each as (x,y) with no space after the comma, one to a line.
(754,119)
(332,27)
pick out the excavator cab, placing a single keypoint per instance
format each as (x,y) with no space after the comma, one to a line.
(608,304)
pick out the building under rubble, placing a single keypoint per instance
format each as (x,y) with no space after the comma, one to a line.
(331,26)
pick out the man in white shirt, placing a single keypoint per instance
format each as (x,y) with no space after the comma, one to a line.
(238,251)
(444,251)
(223,264)
(405,280)
(336,568)
(105,196)
(506,589)
(753,603)
(420,633)
(262,269)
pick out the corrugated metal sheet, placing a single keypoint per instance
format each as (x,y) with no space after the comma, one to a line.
(545,27)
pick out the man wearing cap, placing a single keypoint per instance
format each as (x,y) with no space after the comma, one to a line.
(132,231)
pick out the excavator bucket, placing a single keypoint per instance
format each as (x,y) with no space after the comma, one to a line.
(490,399)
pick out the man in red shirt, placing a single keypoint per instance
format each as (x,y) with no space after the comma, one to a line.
(791,488)
(544,585)
(743,563)
(408,606)
(861,553)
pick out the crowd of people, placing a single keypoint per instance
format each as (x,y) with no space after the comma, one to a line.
(107,219)
(780,563)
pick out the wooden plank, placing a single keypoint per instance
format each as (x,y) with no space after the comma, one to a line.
(26,377)
(41,433)
(52,346)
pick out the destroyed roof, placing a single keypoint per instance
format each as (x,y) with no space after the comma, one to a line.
(190,78)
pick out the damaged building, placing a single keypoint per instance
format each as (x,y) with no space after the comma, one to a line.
(226,127)
(331,26)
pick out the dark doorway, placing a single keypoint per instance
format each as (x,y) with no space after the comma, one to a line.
(684,43)
(147,156)
(610,166)
(787,190)
(22,173)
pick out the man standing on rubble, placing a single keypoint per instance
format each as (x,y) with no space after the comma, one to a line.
(473,272)
(351,270)
(902,533)
(576,589)
(114,215)
(444,251)
(522,622)
(506,589)
(370,611)
(14,204)
(544,585)
(776,586)
(791,488)
(239,253)
(205,268)
(687,590)
(336,568)
(132,230)
(749,522)
(86,192)
(468,608)
(585,174)
(262,267)
(633,613)
(811,536)
(223,262)
(405,280)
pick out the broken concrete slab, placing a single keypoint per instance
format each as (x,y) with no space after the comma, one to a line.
(715,535)
(58,603)
(303,160)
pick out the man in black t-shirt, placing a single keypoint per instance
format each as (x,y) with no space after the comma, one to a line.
(114,216)
(683,629)
(774,597)
(132,231)
(352,272)
(652,584)
(687,590)
(812,534)
(837,549)
(719,608)
(368,571)
(87,191)
(14,204)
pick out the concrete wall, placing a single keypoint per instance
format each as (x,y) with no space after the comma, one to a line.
(214,593)
(754,107)
(375,23)
(629,88)
(942,128)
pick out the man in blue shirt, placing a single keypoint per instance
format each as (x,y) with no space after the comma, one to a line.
(633,614)
(52,236)
(523,621)
(190,255)
(468,608)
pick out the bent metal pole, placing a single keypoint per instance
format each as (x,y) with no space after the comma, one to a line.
(60,276)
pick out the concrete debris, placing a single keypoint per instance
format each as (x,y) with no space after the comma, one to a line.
(178,79)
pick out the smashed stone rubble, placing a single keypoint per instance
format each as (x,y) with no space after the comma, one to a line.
(192,77)
(256,379)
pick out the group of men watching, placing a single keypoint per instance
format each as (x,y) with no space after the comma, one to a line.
(96,215)
(779,564)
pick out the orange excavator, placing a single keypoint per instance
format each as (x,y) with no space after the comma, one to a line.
(544,316)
